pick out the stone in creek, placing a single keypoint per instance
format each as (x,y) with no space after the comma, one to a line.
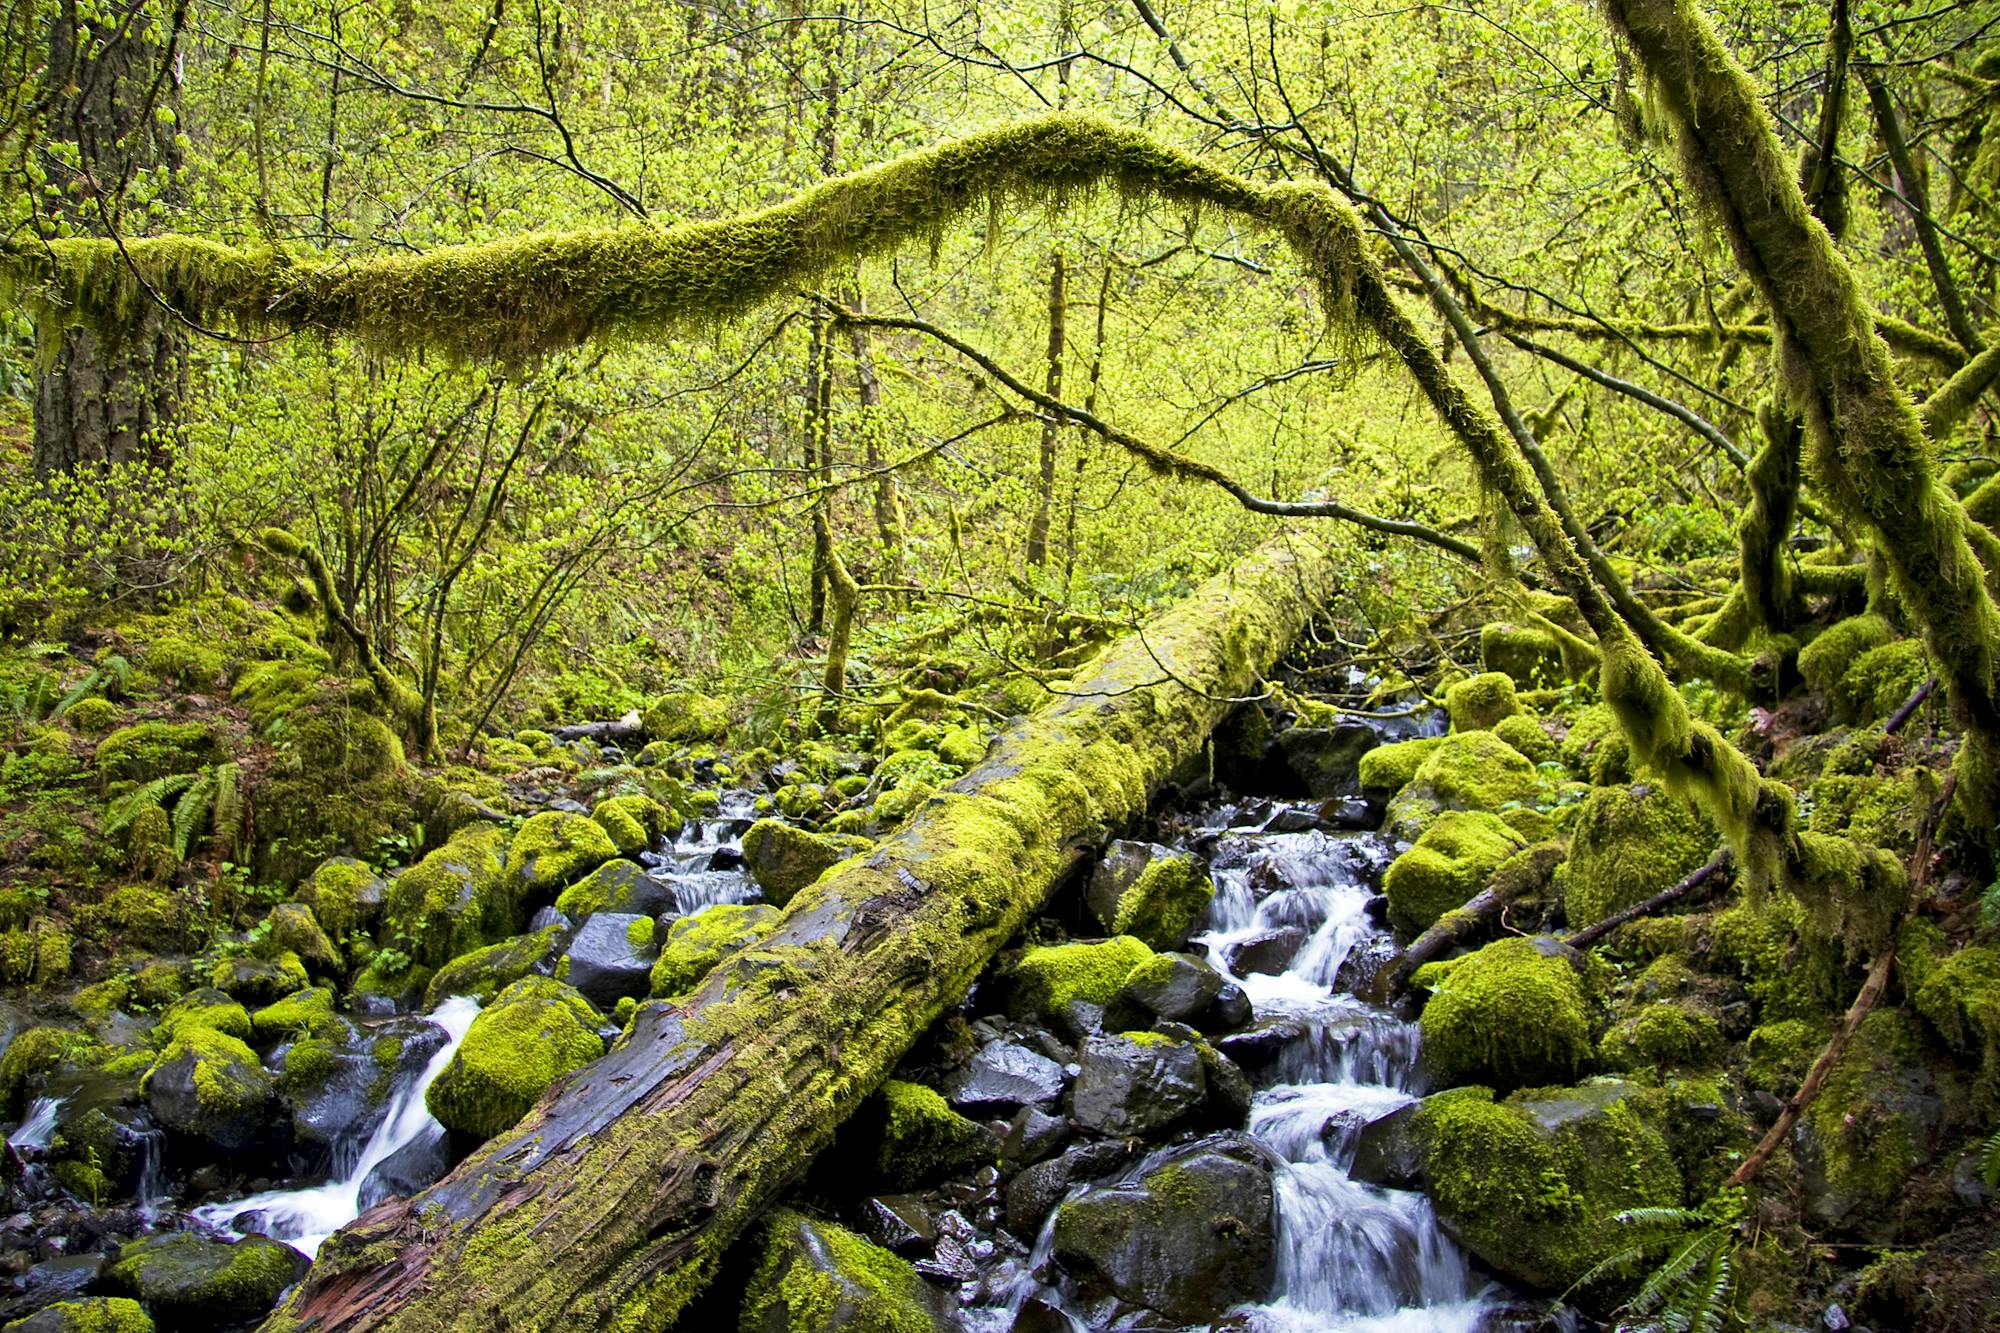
(1041,1187)
(605,964)
(899,1223)
(1267,951)
(417,1165)
(1259,1045)
(1031,1136)
(1191,1237)
(1386,1151)
(192,1282)
(95,1315)
(345,1097)
(1133,1084)
(1002,1076)
(1179,988)
(1327,760)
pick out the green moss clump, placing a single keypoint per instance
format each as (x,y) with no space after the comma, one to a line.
(93,716)
(303,1013)
(1525,734)
(483,973)
(554,849)
(148,750)
(1531,1183)
(230,1084)
(294,929)
(1389,768)
(144,916)
(897,804)
(687,717)
(198,1281)
(922,1140)
(1529,656)
(37,954)
(1450,863)
(1473,770)
(815,1275)
(1627,844)
(204,1008)
(1164,905)
(695,944)
(963,747)
(34,1055)
(1476,704)
(1882,811)
(257,979)
(94,1314)
(1760,942)
(639,934)
(1508,1015)
(1664,1034)
(535,1031)
(457,898)
(634,822)
(783,859)
(1596,750)
(1777,1055)
(344,894)
(1878,681)
(1960,997)
(1049,979)
(1863,1138)
(1827,658)
(341,787)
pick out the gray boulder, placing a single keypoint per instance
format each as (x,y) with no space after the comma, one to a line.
(611,957)
(1136,1083)
(1002,1077)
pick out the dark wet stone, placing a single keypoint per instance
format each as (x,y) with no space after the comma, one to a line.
(417,1165)
(1041,1187)
(899,1222)
(1267,951)
(1180,989)
(1327,760)
(1134,1084)
(1192,1236)
(604,963)
(1002,1076)
(191,1282)
(1386,1151)
(1031,1136)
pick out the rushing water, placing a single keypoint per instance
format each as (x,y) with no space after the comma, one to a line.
(1352,1257)
(703,864)
(38,1126)
(304,1218)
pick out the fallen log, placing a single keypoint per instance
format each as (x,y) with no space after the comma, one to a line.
(626,728)
(609,1204)
(1527,871)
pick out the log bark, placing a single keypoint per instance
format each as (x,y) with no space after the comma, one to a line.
(1525,872)
(609,1205)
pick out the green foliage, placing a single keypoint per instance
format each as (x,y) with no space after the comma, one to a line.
(1689,1257)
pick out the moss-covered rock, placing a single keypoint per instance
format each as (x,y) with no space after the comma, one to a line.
(634,822)
(1450,863)
(1387,769)
(1516,1013)
(1048,980)
(191,1281)
(914,1139)
(209,1085)
(815,1277)
(94,1314)
(145,916)
(94,716)
(456,899)
(1473,770)
(1529,1184)
(695,944)
(1150,892)
(1595,750)
(1665,1034)
(535,1031)
(1960,997)
(257,979)
(341,786)
(294,929)
(204,1008)
(1876,683)
(1529,656)
(1627,844)
(1476,704)
(687,717)
(484,973)
(148,750)
(1777,1055)
(305,1013)
(31,1057)
(783,859)
(1827,658)
(616,886)
(1874,1125)
(555,849)
(1527,735)
(344,894)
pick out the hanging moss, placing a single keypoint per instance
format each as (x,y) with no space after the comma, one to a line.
(1877,682)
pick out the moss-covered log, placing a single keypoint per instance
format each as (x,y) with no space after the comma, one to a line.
(609,1204)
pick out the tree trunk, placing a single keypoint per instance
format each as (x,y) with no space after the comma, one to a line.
(889,520)
(1045,489)
(104,403)
(610,1203)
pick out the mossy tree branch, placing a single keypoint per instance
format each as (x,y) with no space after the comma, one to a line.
(1911,195)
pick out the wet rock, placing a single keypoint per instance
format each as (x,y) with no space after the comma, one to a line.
(1877,1122)
(617,886)
(534,1032)
(1175,986)
(611,957)
(1385,1152)
(1134,1084)
(1041,1187)
(1260,1044)
(547,917)
(1189,1238)
(1327,760)
(1266,951)
(1150,892)
(1031,1136)
(294,927)
(417,1165)
(64,1277)
(1003,1076)
(899,1223)
(338,1092)
(190,1282)
(100,1314)
(484,973)
(208,1085)
(783,859)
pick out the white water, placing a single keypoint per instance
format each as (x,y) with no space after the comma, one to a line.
(684,863)
(304,1218)
(1352,1258)
(39,1126)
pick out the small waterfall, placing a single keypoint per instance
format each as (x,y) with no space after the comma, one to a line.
(39,1126)
(304,1218)
(703,863)
(1352,1257)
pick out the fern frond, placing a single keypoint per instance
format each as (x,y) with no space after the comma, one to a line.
(226,818)
(1989,1161)
(1661,1217)
(116,668)
(1666,1283)
(1709,1312)
(159,791)
(192,811)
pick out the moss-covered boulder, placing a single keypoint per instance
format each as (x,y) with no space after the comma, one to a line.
(634,822)
(1387,769)
(31,1057)
(294,929)
(815,1277)
(1834,649)
(1529,1184)
(1526,734)
(190,1281)
(1450,863)
(148,750)
(783,859)
(1473,770)
(686,717)
(552,850)
(456,899)
(209,1085)
(484,973)
(1049,979)
(912,1138)
(94,1314)
(616,886)
(1876,683)
(1478,703)
(1960,997)
(344,895)
(1662,1034)
(304,1013)
(1627,844)
(1530,657)
(1152,893)
(204,1008)
(258,979)
(695,944)
(1595,748)
(1514,1014)
(340,787)
(535,1031)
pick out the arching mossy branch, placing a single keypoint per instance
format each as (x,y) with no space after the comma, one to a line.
(1871,456)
